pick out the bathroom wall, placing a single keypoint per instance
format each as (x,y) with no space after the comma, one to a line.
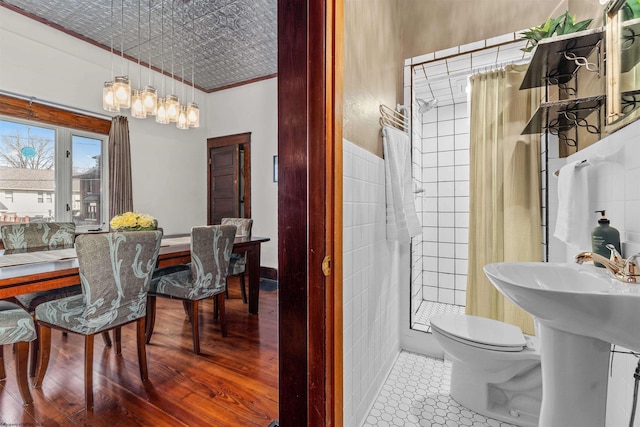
(379,34)
(370,292)
(444,205)
(613,185)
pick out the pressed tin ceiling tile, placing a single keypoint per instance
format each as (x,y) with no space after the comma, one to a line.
(235,40)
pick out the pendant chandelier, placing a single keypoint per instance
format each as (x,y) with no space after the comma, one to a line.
(118,95)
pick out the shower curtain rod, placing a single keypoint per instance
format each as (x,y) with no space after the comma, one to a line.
(32,99)
(484,68)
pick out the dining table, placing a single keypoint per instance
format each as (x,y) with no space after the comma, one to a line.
(26,272)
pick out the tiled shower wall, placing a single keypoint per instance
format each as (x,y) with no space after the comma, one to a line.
(371,317)
(444,204)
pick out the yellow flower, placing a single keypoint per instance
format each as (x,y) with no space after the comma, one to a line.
(145,220)
(132,221)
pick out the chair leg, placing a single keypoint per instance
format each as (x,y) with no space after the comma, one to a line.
(22,363)
(45,349)
(3,374)
(117,337)
(35,348)
(151,317)
(107,339)
(215,308)
(33,356)
(195,329)
(88,372)
(243,288)
(223,320)
(187,308)
(142,352)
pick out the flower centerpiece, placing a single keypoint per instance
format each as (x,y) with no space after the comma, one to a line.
(132,221)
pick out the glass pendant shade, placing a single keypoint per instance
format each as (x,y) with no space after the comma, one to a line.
(173,107)
(150,100)
(122,88)
(161,113)
(109,98)
(193,115)
(182,122)
(137,106)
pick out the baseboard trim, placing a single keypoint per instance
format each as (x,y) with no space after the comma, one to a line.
(269,273)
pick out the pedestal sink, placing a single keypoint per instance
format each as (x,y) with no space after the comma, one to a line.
(581,311)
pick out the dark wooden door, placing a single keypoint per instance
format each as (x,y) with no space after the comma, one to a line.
(309,212)
(224,170)
(229,177)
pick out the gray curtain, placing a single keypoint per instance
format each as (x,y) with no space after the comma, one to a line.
(120,192)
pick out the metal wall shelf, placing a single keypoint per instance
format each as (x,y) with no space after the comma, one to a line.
(556,59)
(563,115)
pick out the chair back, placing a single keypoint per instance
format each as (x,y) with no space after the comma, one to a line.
(243,225)
(33,235)
(115,272)
(211,248)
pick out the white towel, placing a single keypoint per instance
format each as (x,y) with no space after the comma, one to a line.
(402,220)
(572,225)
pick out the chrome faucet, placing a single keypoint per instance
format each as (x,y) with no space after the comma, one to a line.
(624,270)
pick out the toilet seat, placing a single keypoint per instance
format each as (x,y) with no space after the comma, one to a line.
(479,332)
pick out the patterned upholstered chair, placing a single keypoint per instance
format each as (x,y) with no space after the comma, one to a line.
(46,235)
(238,262)
(211,248)
(40,236)
(115,273)
(16,327)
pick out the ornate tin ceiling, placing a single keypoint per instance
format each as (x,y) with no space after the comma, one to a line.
(235,40)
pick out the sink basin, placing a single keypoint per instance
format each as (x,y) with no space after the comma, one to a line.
(580,299)
(580,311)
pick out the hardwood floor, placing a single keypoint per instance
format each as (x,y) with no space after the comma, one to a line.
(234,382)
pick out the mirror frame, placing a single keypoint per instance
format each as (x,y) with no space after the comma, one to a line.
(615,119)
(612,49)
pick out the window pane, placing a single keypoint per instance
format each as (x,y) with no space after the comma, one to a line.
(87,181)
(27,160)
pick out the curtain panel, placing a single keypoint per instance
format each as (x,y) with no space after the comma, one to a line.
(120,188)
(505,206)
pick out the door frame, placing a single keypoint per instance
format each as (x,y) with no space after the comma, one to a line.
(310,39)
(243,139)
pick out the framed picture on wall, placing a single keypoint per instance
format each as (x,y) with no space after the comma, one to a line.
(275,168)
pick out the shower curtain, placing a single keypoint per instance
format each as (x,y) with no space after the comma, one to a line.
(505,212)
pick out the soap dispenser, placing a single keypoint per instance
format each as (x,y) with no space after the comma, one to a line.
(603,235)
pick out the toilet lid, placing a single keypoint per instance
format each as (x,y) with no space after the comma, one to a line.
(479,331)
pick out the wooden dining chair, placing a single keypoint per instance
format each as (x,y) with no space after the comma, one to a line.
(115,273)
(206,277)
(17,327)
(238,262)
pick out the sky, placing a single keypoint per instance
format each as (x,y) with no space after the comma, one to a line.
(84,149)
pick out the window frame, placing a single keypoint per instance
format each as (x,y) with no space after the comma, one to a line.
(63,173)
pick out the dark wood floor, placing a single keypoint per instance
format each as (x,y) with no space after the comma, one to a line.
(234,382)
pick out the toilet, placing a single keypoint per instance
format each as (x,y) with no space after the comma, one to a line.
(495,368)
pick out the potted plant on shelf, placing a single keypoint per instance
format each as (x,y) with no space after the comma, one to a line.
(563,24)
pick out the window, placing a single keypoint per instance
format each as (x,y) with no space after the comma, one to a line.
(53,173)
(8,196)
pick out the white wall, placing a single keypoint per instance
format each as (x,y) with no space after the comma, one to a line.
(613,186)
(371,289)
(169,166)
(254,108)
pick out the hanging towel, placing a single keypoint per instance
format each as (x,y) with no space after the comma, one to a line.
(402,220)
(573,206)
